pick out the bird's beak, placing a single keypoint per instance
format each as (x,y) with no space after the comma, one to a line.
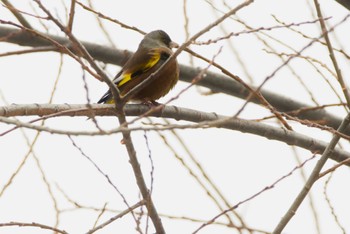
(173,45)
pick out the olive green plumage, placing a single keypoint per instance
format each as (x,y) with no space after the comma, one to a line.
(153,51)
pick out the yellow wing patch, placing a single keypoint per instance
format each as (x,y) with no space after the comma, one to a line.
(126,78)
(143,68)
(153,60)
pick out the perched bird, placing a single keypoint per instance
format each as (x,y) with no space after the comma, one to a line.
(153,51)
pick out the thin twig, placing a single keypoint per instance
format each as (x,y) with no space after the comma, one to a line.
(312,178)
(119,104)
(17,14)
(104,174)
(288,60)
(329,203)
(99,14)
(196,177)
(102,27)
(71,15)
(33,224)
(29,51)
(273,185)
(120,215)
(213,81)
(254,30)
(342,163)
(331,53)
(183,47)
(202,120)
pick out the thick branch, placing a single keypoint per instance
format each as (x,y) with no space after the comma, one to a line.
(312,178)
(214,81)
(204,120)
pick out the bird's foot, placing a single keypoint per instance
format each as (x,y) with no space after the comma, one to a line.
(151,104)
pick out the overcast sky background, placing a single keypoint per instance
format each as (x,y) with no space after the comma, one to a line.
(240,164)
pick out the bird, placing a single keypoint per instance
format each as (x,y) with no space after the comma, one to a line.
(153,51)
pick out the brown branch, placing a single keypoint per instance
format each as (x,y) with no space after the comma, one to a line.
(273,185)
(71,15)
(312,178)
(254,30)
(196,177)
(103,174)
(213,81)
(33,224)
(255,92)
(335,167)
(272,74)
(203,120)
(47,41)
(331,54)
(17,14)
(191,40)
(118,216)
(122,121)
(101,25)
(341,51)
(99,14)
(81,50)
(184,46)
(329,203)
(29,51)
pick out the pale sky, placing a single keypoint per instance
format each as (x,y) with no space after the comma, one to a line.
(240,164)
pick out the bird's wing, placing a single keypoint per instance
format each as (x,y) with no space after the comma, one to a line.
(139,63)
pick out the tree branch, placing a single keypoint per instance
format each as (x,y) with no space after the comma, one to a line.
(204,120)
(213,81)
(312,178)
(33,224)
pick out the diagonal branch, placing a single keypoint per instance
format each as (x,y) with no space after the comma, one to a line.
(331,54)
(327,152)
(17,14)
(312,178)
(121,118)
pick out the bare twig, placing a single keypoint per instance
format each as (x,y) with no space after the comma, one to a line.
(330,206)
(104,174)
(102,26)
(342,163)
(196,177)
(252,91)
(120,215)
(71,15)
(254,30)
(254,195)
(311,200)
(331,53)
(100,214)
(312,178)
(213,81)
(99,14)
(33,224)
(183,46)
(203,120)
(119,104)
(289,59)
(61,48)
(17,14)
(81,50)
(29,51)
